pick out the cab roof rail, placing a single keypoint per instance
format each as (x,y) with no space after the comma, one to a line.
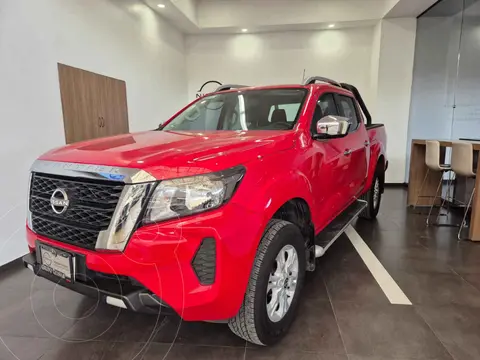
(230,87)
(314,79)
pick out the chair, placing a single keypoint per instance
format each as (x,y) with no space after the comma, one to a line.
(462,165)
(432,160)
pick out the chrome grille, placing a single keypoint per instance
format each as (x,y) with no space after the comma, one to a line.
(91,207)
(92,216)
(84,191)
(68,234)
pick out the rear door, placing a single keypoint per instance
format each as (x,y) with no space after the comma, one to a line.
(355,144)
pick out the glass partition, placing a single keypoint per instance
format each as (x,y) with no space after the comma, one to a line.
(446,76)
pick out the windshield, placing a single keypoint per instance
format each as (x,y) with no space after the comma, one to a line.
(273,109)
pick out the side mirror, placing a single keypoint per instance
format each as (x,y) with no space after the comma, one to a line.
(332,127)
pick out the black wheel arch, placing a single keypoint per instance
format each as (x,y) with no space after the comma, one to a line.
(380,171)
(298,212)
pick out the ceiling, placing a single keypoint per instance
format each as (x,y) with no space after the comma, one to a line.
(231,16)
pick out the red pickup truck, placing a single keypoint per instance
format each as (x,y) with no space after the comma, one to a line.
(217,214)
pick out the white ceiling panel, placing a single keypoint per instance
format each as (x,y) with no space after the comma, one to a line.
(231,16)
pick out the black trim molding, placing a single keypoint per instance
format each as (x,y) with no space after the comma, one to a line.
(396,185)
(428,9)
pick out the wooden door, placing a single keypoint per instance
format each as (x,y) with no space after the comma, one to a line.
(79,104)
(93,105)
(114,107)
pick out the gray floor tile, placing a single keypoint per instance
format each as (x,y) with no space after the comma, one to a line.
(359,287)
(24,348)
(175,330)
(387,331)
(359,357)
(315,287)
(393,240)
(44,314)
(280,353)
(19,284)
(188,352)
(314,329)
(108,323)
(437,289)
(341,257)
(415,259)
(472,279)
(464,258)
(91,350)
(458,327)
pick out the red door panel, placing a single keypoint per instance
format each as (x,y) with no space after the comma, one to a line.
(329,176)
(357,144)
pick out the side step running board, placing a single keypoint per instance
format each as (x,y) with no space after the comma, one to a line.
(337,227)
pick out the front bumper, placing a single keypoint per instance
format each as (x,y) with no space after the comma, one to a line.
(160,258)
(114,292)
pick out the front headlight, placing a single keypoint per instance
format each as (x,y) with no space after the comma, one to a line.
(191,195)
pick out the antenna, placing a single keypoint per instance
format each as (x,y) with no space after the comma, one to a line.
(303,77)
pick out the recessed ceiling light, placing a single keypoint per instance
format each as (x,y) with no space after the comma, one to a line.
(161,6)
(331,26)
(244,30)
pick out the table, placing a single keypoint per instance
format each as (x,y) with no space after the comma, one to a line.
(418,169)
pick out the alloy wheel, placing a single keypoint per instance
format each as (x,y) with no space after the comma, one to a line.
(282,283)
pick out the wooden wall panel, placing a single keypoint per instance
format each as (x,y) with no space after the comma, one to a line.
(93,105)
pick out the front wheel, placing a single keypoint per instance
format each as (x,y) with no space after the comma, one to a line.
(277,277)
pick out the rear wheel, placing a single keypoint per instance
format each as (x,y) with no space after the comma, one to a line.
(373,196)
(277,277)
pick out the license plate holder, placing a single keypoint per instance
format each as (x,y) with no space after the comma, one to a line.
(57,262)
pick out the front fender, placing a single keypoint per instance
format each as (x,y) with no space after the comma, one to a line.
(288,186)
(276,187)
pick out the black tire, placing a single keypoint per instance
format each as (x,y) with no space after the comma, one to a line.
(373,206)
(252,322)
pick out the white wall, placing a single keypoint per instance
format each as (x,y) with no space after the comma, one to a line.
(374,67)
(118,38)
(280,58)
(395,73)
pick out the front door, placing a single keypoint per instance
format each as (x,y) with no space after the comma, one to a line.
(330,165)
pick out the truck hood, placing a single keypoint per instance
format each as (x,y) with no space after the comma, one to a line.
(168,154)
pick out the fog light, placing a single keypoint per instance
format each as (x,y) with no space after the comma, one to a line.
(116,302)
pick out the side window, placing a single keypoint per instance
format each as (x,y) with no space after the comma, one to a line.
(325,106)
(347,109)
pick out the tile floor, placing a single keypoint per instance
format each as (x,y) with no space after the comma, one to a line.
(344,315)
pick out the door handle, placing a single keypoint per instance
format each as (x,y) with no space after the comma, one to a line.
(347,152)
(366,143)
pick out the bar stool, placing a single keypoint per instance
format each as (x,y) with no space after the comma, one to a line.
(432,160)
(462,165)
